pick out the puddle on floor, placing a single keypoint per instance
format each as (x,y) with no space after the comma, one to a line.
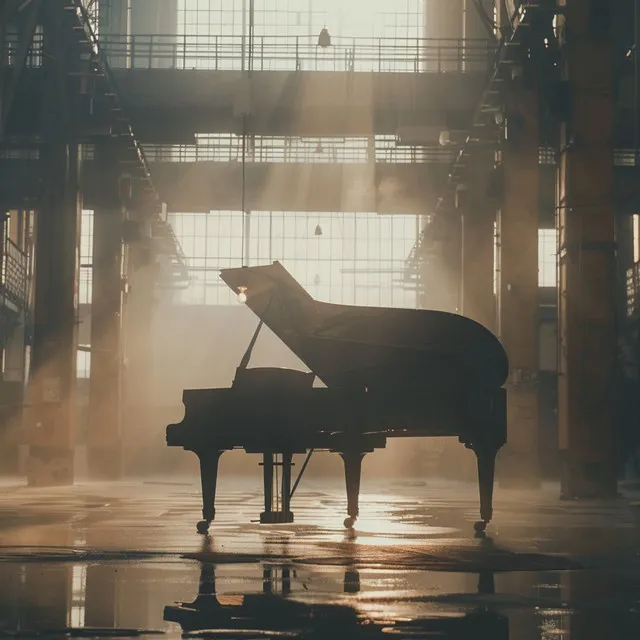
(171,597)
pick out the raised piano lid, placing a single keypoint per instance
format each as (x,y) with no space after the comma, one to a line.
(370,347)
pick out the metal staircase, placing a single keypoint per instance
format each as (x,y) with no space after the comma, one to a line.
(132,152)
(483,128)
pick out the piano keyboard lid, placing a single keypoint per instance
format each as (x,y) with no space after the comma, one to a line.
(363,345)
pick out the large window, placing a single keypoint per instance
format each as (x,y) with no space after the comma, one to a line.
(213,34)
(355,18)
(83,361)
(86,258)
(547,253)
(346,258)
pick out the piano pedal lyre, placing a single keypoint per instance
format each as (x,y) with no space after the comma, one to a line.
(277,499)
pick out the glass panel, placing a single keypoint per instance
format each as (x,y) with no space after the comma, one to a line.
(344,258)
(547,252)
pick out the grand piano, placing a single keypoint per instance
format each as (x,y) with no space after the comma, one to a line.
(385,373)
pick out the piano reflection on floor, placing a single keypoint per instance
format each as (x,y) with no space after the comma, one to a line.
(386,373)
(278,612)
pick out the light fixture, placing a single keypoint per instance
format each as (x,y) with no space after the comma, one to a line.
(318,231)
(324,39)
(242,296)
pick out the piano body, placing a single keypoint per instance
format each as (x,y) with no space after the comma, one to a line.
(387,373)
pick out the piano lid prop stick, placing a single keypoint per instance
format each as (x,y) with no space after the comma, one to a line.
(304,466)
(244,363)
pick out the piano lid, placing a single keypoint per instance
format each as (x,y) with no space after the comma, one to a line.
(368,346)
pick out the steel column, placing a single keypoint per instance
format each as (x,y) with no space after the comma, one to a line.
(138,348)
(51,414)
(52,407)
(105,430)
(587,298)
(518,281)
(478,243)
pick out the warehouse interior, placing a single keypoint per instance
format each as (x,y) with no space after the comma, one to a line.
(473,157)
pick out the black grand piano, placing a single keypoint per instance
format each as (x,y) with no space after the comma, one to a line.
(386,373)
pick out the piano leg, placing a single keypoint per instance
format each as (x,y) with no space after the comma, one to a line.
(209,479)
(486,470)
(352,473)
(286,487)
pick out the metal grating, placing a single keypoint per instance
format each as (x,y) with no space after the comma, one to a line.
(14,275)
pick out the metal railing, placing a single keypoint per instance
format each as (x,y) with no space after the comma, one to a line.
(12,45)
(296,53)
(14,274)
(522,12)
(263,149)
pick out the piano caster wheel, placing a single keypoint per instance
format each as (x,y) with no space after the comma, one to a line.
(480,526)
(203,527)
(349,522)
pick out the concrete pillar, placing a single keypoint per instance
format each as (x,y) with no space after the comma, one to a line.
(140,304)
(518,281)
(104,438)
(51,414)
(587,300)
(478,242)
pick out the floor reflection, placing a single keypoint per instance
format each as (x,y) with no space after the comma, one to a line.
(278,597)
(111,561)
(275,611)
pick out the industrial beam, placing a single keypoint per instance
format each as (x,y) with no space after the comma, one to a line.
(587,300)
(104,438)
(518,280)
(52,390)
(52,405)
(139,373)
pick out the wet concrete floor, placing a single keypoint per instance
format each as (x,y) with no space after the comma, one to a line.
(124,560)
